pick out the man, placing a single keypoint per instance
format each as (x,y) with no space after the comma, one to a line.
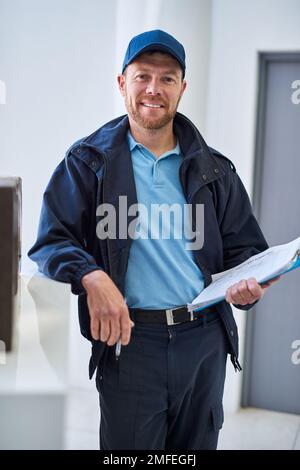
(164,388)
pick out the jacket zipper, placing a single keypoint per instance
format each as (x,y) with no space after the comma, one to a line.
(234,358)
(107,240)
(103,155)
(103,196)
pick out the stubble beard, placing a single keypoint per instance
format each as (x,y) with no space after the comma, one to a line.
(150,123)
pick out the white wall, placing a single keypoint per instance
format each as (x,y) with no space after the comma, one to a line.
(240,29)
(190,22)
(59,60)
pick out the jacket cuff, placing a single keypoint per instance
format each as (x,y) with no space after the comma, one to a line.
(245,307)
(76,284)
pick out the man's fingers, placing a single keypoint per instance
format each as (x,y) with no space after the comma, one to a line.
(126,325)
(254,287)
(104,330)
(95,327)
(238,293)
(244,292)
(114,332)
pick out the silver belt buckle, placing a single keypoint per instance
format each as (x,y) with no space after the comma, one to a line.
(170,317)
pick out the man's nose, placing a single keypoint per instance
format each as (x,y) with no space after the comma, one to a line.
(153,87)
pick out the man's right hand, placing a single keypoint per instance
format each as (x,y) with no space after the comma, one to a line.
(109,313)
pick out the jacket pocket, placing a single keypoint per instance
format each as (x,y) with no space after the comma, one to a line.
(101,368)
(217,415)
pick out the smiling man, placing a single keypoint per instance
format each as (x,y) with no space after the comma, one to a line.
(163,389)
(152,87)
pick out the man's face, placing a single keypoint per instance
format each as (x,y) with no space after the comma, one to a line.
(152,87)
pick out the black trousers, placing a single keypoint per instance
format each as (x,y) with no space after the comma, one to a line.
(165,391)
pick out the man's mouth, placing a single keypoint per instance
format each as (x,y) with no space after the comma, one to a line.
(152,105)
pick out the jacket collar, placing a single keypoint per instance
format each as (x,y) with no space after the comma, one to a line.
(110,140)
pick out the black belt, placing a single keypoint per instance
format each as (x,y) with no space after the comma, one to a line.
(170,316)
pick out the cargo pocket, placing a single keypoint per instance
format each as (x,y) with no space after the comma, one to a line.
(217,415)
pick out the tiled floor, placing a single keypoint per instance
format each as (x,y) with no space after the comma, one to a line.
(253,428)
(248,429)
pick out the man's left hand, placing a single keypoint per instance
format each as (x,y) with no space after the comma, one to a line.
(247,291)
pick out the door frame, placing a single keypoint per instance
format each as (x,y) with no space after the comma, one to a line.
(264,59)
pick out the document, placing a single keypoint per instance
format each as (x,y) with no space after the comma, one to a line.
(264,266)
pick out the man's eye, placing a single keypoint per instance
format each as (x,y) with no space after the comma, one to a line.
(141,77)
(169,79)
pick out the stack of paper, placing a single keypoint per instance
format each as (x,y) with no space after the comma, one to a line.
(264,266)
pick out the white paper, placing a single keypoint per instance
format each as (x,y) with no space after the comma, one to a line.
(263,266)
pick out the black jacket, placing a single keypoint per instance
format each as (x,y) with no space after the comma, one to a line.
(98,169)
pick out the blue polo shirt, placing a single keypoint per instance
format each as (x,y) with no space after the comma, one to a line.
(161,271)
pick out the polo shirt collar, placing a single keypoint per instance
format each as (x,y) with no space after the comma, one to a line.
(132,143)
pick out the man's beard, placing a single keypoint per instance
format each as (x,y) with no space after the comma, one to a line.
(150,123)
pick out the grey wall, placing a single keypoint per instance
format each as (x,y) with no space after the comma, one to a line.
(240,29)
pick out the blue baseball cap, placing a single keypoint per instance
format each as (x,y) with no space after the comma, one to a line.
(155,40)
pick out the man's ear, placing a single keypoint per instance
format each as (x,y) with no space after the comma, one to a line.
(183,87)
(121,83)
